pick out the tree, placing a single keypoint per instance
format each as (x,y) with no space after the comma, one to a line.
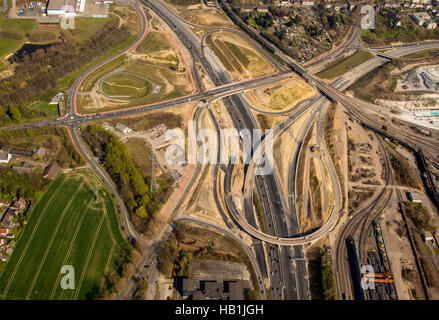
(141,212)
(15,114)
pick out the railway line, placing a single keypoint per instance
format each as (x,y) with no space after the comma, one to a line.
(360,222)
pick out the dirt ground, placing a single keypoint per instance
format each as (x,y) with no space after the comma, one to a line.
(281,96)
(400,254)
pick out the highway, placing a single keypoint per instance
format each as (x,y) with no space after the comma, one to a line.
(288,268)
(237,106)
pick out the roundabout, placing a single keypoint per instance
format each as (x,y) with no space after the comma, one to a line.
(125,85)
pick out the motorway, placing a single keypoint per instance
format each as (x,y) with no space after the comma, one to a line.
(287,264)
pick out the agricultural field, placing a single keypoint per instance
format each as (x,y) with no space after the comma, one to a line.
(75,224)
(125,85)
(344,64)
(238,56)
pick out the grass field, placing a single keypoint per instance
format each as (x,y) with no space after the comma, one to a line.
(154,42)
(88,82)
(126,85)
(344,64)
(75,224)
(8,45)
(238,56)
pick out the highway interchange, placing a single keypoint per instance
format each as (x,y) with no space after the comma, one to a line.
(285,258)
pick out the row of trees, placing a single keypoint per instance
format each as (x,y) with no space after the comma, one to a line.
(39,72)
(134,189)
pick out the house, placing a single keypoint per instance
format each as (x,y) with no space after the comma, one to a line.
(19,204)
(50,172)
(7,220)
(4,232)
(5,157)
(122,128)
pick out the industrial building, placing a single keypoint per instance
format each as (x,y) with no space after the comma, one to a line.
(65,7)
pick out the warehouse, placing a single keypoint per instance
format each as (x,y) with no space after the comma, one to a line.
(61,7)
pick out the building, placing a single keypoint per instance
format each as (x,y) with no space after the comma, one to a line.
(22,169)
(18,204)
(430,24)
(414,197)
(5,157)
(50,172)
(122,128)
(23,152)
(424,19)
(307,3)
(211,289)
(80,6)
(428,236)
(189,287)
(61,8)
(4,232)
(236,291)
(8,219)
(41,152)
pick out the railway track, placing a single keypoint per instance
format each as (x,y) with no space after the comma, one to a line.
(360,222)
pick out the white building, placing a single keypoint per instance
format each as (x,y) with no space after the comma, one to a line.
(428,236)
(307,3)
(122,128)
(63,7)
(424,19)
(5,157)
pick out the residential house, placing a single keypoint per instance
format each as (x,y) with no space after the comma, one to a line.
(19,204)
(8,219)
(4,232)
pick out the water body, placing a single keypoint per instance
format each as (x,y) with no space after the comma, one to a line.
(28,49)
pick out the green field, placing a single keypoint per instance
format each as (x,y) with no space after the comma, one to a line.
(154,42)
(127,86)
(75,224)
(344,64)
